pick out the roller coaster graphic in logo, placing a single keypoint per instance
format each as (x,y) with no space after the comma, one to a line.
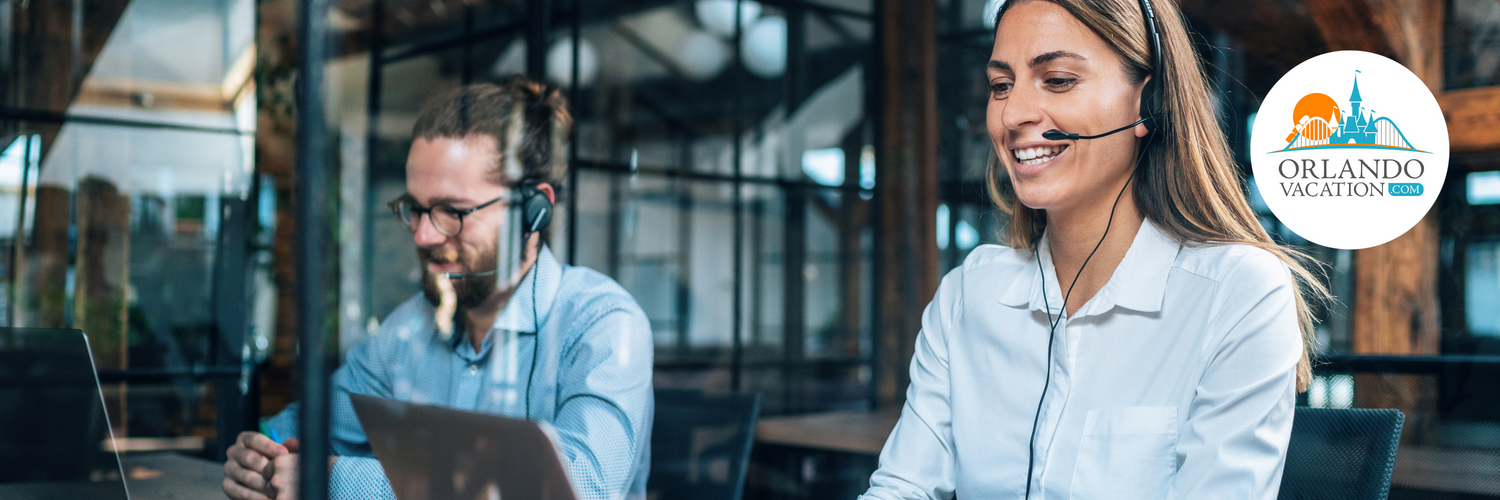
(1319,123)
(1352,173)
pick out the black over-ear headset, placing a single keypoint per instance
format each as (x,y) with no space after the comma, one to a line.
(1152,114)
(535,207)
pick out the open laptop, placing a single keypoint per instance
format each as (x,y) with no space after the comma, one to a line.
(433,452)
(53,426)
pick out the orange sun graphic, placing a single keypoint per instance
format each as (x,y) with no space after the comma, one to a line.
(1316,116)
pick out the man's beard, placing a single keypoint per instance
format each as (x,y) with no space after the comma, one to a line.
(470,292)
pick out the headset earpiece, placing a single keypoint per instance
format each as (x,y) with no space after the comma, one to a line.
(1151,108)
(536,208)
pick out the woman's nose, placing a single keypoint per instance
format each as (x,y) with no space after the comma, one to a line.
(1021,108)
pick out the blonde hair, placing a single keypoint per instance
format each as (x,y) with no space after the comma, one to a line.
(1188,185)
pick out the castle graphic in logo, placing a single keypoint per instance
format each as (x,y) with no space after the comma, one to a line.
(1319,123)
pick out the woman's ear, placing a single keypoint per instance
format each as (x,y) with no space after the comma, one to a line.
(1141,130)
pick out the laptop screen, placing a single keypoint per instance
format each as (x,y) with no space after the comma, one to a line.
(53,427)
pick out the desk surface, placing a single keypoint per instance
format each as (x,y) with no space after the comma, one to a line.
(169,476)
(154,476)
(846,431)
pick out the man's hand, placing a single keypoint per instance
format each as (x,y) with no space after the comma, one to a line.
(282,484)
(248,469)
(283,477)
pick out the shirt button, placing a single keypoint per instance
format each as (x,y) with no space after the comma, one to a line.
(473,369)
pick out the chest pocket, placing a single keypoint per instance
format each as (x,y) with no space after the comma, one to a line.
(1126,453)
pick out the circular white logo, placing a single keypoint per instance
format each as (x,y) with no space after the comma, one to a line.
(1349,149)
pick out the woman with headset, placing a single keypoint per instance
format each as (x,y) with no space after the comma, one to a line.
(1141,336)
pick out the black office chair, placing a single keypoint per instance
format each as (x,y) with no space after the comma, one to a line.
(1341,454)
(700,444)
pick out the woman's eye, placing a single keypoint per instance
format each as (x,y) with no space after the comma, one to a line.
(1059,84)
(999,90)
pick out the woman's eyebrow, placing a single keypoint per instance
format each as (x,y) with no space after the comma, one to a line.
(1056,54)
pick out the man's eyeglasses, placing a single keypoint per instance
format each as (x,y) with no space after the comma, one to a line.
(449,221)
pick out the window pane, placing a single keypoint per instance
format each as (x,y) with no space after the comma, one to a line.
(1482,289)
(1471,44)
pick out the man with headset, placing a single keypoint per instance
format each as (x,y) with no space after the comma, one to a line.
(501,327)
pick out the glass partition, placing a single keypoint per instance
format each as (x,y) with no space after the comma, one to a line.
(126,200)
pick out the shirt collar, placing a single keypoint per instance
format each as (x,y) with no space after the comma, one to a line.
(1139,282)
(540,282)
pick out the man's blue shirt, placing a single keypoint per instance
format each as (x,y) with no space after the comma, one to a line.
(591,380)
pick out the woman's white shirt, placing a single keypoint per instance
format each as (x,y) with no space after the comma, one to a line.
(1176,380)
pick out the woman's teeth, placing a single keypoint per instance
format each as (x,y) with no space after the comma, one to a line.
(1033,156)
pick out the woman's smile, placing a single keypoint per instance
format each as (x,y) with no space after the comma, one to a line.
(1037,157)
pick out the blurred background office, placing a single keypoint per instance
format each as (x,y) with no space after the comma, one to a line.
(779,183)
